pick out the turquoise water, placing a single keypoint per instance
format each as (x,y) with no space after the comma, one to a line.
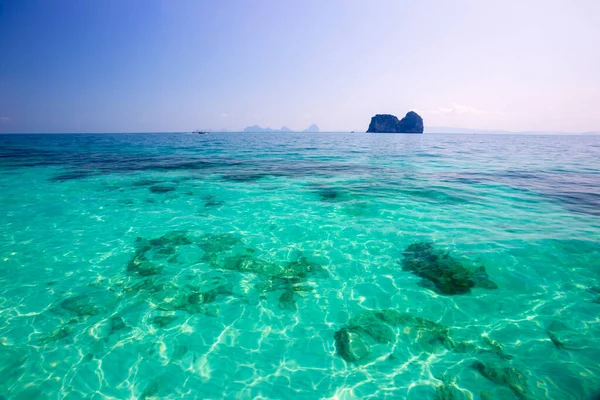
(278,266)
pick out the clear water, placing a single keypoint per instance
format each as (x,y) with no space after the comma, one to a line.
(222,266)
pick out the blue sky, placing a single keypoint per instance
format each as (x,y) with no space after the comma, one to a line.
(135,66)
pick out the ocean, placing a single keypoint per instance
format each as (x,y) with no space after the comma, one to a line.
(299,266)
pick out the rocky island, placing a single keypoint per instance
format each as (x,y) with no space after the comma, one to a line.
(387,123)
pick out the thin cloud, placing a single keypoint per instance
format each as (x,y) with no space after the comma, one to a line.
(224,115)
(462,110)
(4,119)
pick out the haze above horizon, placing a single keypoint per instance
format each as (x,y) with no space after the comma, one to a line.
(138,66)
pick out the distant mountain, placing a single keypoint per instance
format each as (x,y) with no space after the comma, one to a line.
(312,129)
(257,128)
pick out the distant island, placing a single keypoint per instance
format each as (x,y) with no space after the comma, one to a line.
(312,129)
(387,123)
(257,128)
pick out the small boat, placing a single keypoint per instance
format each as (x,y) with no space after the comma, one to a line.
(199,132)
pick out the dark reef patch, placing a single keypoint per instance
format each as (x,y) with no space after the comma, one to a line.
(111,326)
(577,192)
(444,273)
(287,300)
(162,188)
(379,327)
(81,306)
(60,333)
(504,376)
(212,201)
(170,297)
(437,196)
(329,194)
(73,175)
(163,321)
(449,391)
(150,255)
(214,244)
(350,345)
(596,292)
(244,177)
(226,251)
(147,182)
(116,324)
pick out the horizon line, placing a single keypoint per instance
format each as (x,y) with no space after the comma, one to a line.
(467,131)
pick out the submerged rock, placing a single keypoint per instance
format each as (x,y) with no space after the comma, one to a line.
(211,201)
(179,351)
(189,298)
(163,321)
(558,343)
(56,335)
(245,177)
(287,300)
(595,291)
(150,255)
(504,376)
(143,268)
(217,243)
(378,325)
(328,194)
(169,296)
(449,391)
(147,182)
(496,347)
(81,306)
(161,189)
(108,327)
(227,252)
(302,268)
(350,345)
(447,274)
(386,123)
(372,324)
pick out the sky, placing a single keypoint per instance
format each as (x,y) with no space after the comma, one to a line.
(168,66)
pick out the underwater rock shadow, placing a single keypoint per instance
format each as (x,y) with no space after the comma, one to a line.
(441,272)
(212,201)
(159,189)
(329,194)
(222,253)
(576,192)
(508,377)
(150,255)
(76,311)
(227,252)
(145,271)
(352,340)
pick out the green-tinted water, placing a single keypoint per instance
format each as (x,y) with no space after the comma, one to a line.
(299,266)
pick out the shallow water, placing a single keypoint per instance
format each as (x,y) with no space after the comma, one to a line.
(222,266)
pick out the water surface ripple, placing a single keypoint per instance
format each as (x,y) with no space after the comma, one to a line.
(304,266)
